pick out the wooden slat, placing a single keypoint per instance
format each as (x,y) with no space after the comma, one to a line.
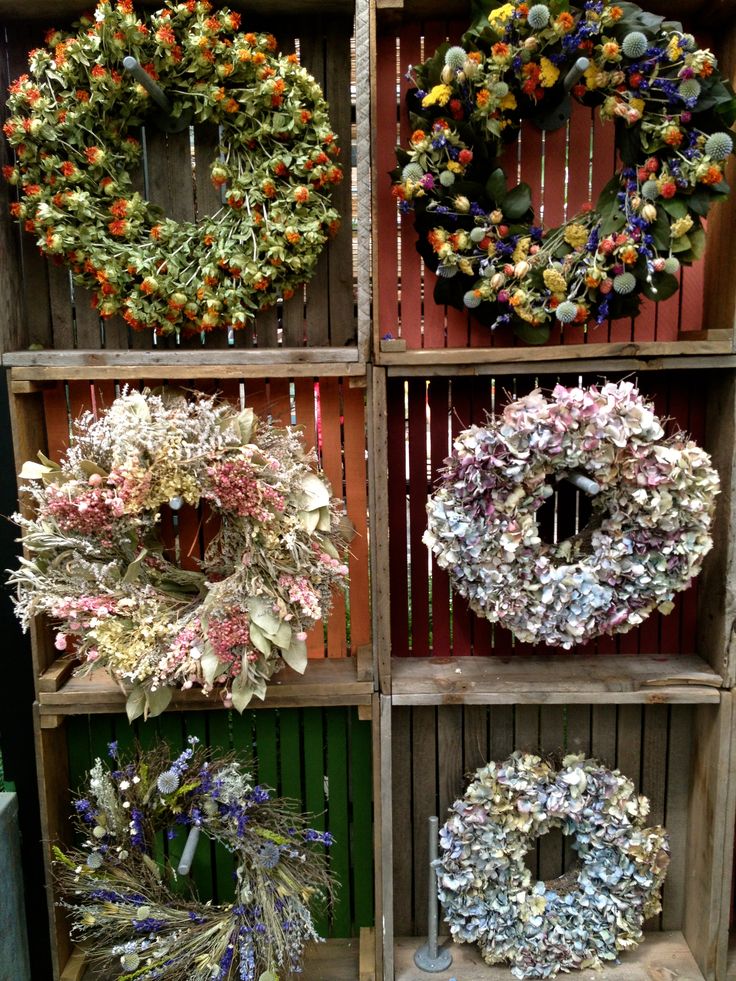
(679,767)
(397,606)
(383,838)
(327,682)
(710,840)
(401,776)
(425,801)
(230,363)
(553,679)
(418,567)
(331,458)
(567,352)
(378,502)
(662,955)
(356,497)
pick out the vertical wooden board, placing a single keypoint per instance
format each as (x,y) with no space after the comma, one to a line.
(338,817)
(356,496)
(338,31)
(87,332)
(551,737)
(711,820)
(475,738)
(60,298)
(80,752)
(411,286)
(12,310)
(397,516)
(692,298)
(361,840)
(484,634)
(425,801)
(290,755)
(526,739)
(312,48)
(439,409)
(501,732)
(267,328)
(331,451)
(550,194)
(306,417)
(654,769)
(314,783)
(628,742)
(449,755)
(418,556)
(385,259)
(52,764)
(266,748)
(603,734)
(170,178)
(57,421)
(461,401)
(220,738)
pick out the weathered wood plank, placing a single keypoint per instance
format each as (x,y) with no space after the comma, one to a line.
(554,679)
(401,777)
(661,956)
(679,779)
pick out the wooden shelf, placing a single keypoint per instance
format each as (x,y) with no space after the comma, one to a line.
(43,10)
(338,960)
(41,366)
(553,679)
(630,356)
(662,955)
(337,681)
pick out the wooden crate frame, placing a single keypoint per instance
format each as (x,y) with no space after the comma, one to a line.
(340,959)
(698,320)
(40,305)
(685,763)
(693,671)
(42,400)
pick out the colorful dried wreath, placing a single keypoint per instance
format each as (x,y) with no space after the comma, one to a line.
(75,126)
(579,920)
(671,108)
(96,562)
(649,532)
(134,915)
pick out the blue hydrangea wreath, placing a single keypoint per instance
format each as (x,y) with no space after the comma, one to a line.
(584,918)
(672,110)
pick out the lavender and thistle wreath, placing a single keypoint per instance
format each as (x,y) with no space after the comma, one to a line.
(137,919)
(647,537)
(582,919)
(671,108)
(74,126)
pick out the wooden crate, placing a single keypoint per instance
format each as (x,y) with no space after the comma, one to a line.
(40,304)
(428,642)
(680,756)
(698,319)
(330,408)
(320,758)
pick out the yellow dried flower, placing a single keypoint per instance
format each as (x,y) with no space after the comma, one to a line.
(439,95)
(554,280)
(681,227)
(549,74)
(576,235)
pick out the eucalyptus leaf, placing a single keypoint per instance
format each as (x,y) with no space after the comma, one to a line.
(34,471)
(135,704)
(517,202)
(241,692)
(268,976)
(88,467)
(665,284)
(210,666)
(308,520)
(259,640)
(261,613)
(246,421)
(296,655)
(325,521)
(496,186)
(313,493)
(47,462)
(157,701)
(282,637)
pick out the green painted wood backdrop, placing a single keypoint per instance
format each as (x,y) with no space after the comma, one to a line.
(320,758)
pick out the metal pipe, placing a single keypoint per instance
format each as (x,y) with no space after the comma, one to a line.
(576,72)
(583,483)
(429,957)
(158,95)
(187,856)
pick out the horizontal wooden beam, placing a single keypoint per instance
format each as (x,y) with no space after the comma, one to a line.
(58,10)
(593,366)
(40,366)
(662,955)
(555,679)
(329,681)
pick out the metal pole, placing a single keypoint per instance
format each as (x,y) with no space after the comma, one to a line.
(132,65)
(576,72)
(187,856)
(430,957)
(583,483)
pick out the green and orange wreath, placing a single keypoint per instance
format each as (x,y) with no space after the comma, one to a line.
(672,111)
(75,126)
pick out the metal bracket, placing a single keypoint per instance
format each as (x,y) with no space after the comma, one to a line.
(557,116)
